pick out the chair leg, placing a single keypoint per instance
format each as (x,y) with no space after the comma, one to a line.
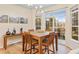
(53,47)
(31,49)
(24,51)
(48,49)
(45,48)
(25,48)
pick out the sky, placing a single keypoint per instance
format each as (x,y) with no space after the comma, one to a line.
(58,14)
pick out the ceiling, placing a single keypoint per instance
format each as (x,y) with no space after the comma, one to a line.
(33,6)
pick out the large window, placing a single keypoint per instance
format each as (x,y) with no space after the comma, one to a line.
(49,24)
(74,17)
(59,21)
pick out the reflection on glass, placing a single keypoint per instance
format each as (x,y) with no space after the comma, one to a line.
(38,23)
(75,18)
(49,24)
(74,14)
(61,33)
(75,33)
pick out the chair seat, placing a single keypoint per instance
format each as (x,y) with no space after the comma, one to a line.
(44,44)
(45,40)
(34,41)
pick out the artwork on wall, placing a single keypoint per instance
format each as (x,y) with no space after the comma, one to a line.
(4,19)
(13,20)
(23,20)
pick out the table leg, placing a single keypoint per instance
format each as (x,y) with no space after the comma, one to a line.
(40,46)
(5,43)
(56,40)
(23,42)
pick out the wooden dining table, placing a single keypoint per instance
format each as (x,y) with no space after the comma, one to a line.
(40,36)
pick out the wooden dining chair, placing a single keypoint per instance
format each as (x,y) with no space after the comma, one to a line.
(31,30)
(30,42)
(23,40)
(34,40)
(48,42)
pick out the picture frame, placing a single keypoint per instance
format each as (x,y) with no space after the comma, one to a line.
(4,19)
(13,19)
(23,20)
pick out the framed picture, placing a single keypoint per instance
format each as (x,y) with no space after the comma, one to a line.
(4,19)
(23,20)
(13,20)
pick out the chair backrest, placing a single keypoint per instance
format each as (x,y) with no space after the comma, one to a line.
(27,35)
(23,35)
(31,30)
(51,38)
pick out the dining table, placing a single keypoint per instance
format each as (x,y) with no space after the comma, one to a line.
(40,36)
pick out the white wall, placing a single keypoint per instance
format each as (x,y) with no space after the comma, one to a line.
(13,10)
